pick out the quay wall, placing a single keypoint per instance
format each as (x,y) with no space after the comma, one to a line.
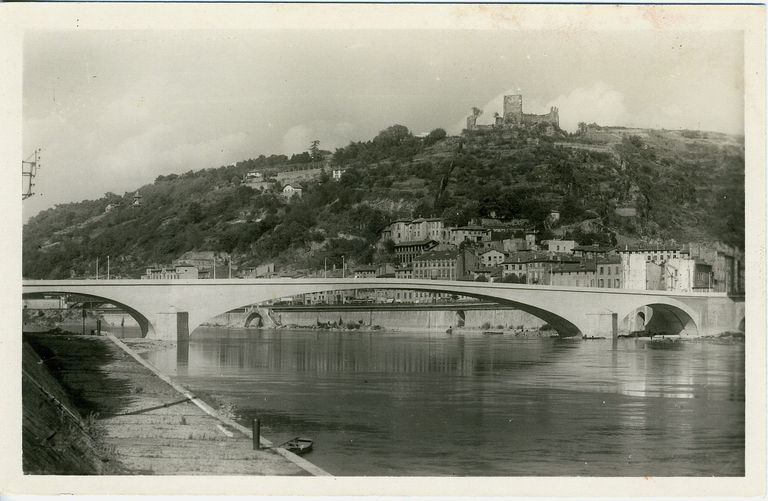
(404,318)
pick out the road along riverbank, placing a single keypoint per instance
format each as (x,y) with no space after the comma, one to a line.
(124,412)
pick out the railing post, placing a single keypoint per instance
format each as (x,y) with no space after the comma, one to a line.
(256,434)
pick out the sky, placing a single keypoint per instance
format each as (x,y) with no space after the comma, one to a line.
(112,110)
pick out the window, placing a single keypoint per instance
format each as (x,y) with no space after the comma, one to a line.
(601,272)
(600,282)
(609,270)
(618,284)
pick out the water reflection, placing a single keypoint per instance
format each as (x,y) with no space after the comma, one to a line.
(418,404)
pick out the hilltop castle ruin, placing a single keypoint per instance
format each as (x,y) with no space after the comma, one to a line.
(513,116)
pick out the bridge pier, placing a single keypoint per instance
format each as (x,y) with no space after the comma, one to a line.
(170,326)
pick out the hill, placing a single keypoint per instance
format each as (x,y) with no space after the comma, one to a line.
(682,185)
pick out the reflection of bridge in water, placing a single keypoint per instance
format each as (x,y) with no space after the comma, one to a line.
(171,309)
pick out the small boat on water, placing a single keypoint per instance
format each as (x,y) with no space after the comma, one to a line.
(492,333)
(298,445)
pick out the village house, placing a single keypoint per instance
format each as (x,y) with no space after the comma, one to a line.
(608,273)
(364,272)
(573,274)
(486,273)
(182,272)
(560,245)
(290,191)
(337,173)
(470,233)
(404,230)
(256,180)
(515,269)
(261,271)
(491,258)
(541,264)
(727,265)
(444,265)
(652,253)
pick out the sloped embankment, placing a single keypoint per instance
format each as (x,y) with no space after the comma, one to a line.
(143,425)
(56,439)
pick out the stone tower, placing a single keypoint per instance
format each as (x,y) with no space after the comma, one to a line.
(513,108)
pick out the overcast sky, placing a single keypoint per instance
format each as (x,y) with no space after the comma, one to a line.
(114,109)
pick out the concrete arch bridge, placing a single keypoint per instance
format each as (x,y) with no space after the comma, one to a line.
(171,309)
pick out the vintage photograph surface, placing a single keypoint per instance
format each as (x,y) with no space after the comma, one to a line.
(384,252)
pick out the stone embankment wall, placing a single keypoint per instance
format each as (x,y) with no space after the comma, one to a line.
(427,319)
(408,319)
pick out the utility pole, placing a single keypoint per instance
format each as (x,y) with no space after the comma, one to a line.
(97,268)
(230,266)
(107,267)
(325,268)
(29,171)
(214,266)
(343,267)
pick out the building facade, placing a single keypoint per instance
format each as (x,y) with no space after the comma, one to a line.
(171,273)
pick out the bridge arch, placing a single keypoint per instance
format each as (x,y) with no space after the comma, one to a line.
(639,323)
(253,319)
(564,326)
(666,317)
(147,330)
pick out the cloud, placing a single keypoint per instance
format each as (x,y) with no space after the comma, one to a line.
(331,135)
(599,103)
(495,104)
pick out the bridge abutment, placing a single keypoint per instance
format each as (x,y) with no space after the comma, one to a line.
(170,326)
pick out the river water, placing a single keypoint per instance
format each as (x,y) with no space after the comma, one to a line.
(385,403)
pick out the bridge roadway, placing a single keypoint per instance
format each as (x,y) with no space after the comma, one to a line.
(172,309)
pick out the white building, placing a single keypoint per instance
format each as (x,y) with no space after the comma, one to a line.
(679,274)
(492,258)
(175,273)
(561,245)
(290,192)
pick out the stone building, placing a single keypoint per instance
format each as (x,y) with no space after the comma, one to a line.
(608,273)
(513,116)
(407,251)
(492,257)
(573,274)
(444,265)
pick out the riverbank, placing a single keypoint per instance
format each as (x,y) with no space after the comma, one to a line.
(111,408)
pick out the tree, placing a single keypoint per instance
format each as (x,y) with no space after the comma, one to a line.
(434,136)
(314,150)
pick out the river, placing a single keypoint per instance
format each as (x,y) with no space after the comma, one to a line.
(385,403)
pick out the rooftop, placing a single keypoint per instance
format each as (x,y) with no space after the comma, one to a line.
(592,248)
(650,247)
(416,242)
(436,255)
(574,267)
